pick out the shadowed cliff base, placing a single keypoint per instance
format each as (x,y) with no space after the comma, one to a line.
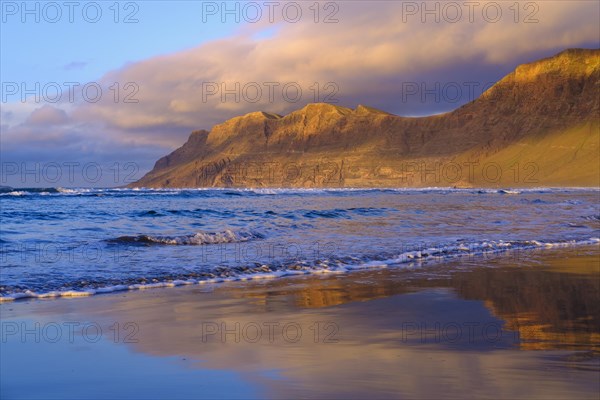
(538,126)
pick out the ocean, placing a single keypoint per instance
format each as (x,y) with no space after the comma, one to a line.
(78,242)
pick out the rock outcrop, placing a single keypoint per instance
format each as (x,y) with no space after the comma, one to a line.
(538,126)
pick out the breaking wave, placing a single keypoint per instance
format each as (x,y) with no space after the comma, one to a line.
(407,260)
(196,239)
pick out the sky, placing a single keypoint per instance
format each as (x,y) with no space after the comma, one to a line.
(93,93)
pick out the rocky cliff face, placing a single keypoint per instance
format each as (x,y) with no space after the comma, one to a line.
(537,126)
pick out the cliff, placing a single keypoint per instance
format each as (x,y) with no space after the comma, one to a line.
(538,126)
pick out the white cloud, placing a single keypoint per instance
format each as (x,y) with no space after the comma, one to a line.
(367,55)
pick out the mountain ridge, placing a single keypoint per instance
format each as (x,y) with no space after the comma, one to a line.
(551,103)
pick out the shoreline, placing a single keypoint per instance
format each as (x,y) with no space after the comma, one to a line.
(405,261)
(525,320)
(538,257)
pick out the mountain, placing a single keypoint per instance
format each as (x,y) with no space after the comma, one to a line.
(538,126)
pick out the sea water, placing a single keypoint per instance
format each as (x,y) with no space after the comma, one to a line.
(76,242)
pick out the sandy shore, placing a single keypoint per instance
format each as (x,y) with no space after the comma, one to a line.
(524,325)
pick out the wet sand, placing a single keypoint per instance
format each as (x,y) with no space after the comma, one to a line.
(522,325)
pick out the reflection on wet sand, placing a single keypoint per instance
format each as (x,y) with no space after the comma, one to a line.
(549,309)
(386,333)
(552,306)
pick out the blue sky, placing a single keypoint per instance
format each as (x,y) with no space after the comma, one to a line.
(83,51)
(155,74)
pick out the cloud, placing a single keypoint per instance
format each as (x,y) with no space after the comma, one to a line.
(47,115)
(367,57)
(369,54)
(6,116)
(75,65)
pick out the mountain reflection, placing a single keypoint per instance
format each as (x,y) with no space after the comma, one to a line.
(549,308)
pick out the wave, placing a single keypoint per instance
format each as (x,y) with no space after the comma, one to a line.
(331,213)
(195,213)
(337,213)
(14,193)
(408,259)
(196,239)
(507,191)
(8,191)
(594,218)
(344,213)
(228,192)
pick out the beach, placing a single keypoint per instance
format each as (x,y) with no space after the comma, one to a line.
(300,200)
(515,325)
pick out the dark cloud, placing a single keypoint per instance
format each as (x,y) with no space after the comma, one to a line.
(75,65)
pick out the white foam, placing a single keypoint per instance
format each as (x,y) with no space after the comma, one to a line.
(407,259)
(73,293)
(66,191)
(109,289)
(509,191)
(199,238)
